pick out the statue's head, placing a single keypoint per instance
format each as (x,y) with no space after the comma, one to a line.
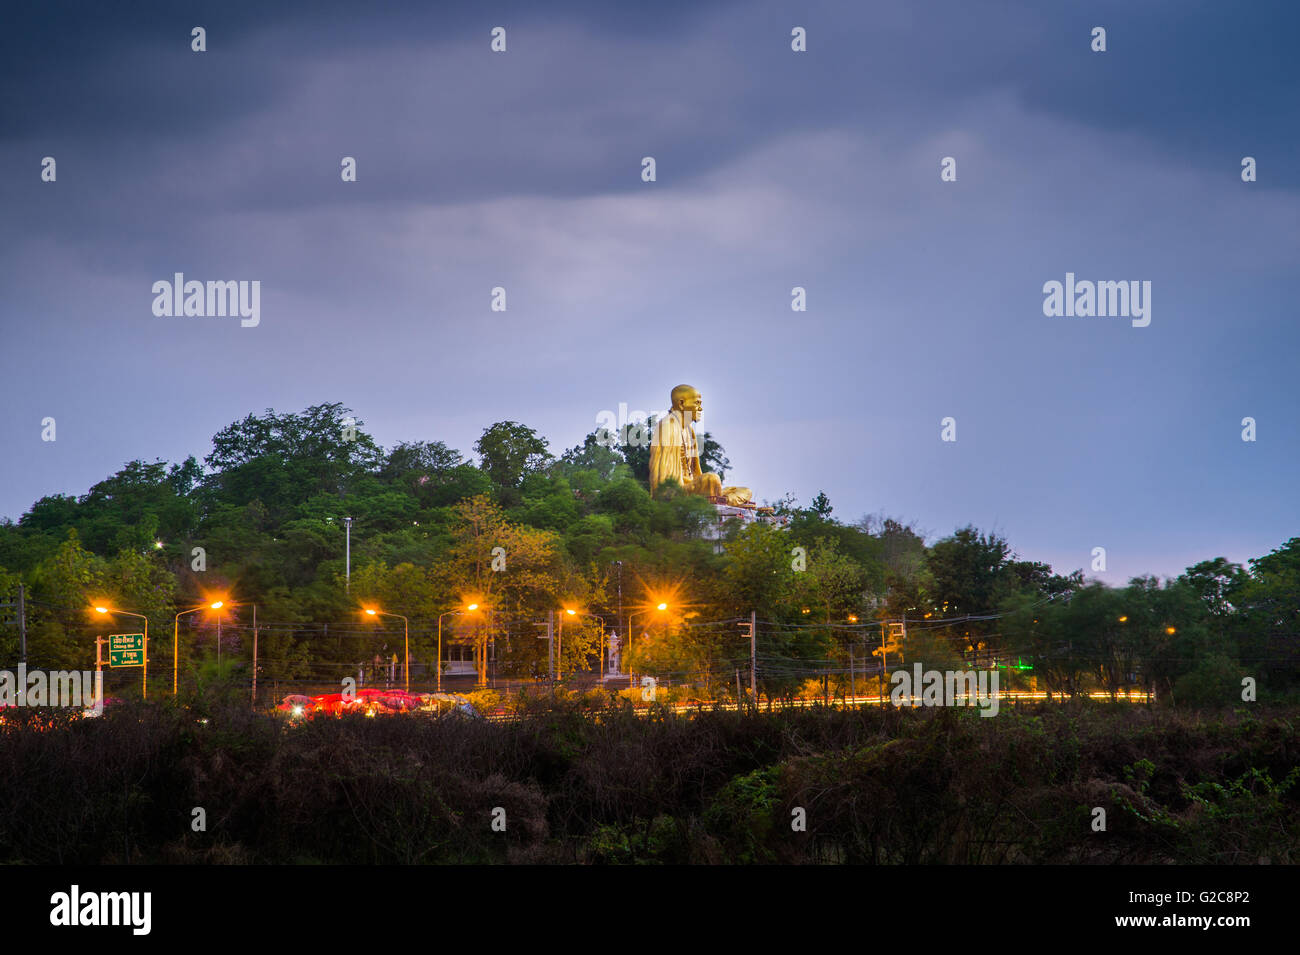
(686,399)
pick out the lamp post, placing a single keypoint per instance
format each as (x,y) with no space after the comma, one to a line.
(220,605)
(144,685)
(406,630)
(453,613)
(176,638)
(619,618)
(347,587)
(631,677)
(254,654)
(601,621)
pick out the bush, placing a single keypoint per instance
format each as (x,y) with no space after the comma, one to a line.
(1216,682)
(626,784)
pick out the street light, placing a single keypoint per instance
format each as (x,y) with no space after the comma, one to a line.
(176,637)
(144,686)
(454,613)
(599,619)
(347,587)
(217,606)
(631,677)
(406,628)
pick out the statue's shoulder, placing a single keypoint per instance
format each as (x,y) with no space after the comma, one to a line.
(669,427)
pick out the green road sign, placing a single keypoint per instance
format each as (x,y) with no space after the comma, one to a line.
(126,650)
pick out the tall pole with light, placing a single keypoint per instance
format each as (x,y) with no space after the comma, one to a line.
(631,677)
(144,686)
(232,606)
(219,605)
(452,613)
(347,586)
(619,563)
(600,620)
(254,654)
(406,638)
(176,638)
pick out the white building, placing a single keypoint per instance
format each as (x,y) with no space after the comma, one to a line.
(715,531)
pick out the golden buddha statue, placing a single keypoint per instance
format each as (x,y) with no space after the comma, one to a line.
(675,454)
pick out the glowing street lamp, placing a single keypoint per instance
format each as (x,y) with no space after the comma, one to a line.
(144,686)
(176,637)
(598,619)
(217,606)
(630,617)
(469,608)
(406,628)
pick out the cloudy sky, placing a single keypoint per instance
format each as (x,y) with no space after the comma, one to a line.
(775,169)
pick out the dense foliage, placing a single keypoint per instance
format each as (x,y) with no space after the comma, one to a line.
(523,532)
(572,785)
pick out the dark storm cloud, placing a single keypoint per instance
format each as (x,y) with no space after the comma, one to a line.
(774,170)
(118,90)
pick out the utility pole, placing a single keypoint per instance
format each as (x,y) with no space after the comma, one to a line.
(884,627)
(748,630)
(753,656)
(550,647)
(22,626)
(888,634)
(620,594)
(347,523)
(255,654)
(902,637)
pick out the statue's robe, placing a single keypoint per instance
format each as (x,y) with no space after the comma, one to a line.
(675,454)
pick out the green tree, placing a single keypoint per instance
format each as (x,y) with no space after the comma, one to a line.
(510,600)
(509,451)
(821,506)
(591,455)
(712,457)
(758,574)
(59,622)
(285,459)
(970,579)
(1266,619)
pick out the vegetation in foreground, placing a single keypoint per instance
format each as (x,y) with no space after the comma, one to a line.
(523,533)
(581,785)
